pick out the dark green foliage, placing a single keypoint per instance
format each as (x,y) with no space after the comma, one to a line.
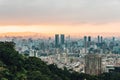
(110,76)
(35,64)
(14,66)
(65,74)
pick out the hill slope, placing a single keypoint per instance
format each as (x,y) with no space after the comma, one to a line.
(14,66)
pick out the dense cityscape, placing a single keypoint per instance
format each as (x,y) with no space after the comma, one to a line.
(90,55)
(59,39)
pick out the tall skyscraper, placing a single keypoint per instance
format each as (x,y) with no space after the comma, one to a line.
(113,39)
(85,43)
(101,39)
(62,37)
(98,39)
(56,40)
(89,38)
(89,41)
(93,64)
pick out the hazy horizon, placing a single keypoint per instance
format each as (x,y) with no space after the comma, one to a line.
(52,35)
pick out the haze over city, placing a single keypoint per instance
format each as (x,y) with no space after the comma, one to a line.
(61,16)
(59,39)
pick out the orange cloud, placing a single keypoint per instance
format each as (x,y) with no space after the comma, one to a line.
(66,29)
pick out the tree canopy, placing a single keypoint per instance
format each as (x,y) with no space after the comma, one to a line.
(14,66)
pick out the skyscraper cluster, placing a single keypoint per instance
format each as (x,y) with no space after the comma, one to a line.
(87,42)
(81,55)
(59,40)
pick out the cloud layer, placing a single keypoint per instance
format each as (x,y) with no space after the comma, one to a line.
(34,12)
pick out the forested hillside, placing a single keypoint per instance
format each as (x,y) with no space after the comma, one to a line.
(14,66)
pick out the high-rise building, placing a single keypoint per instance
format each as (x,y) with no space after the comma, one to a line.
(62,37)
(56,40)
(101,39)
(113,39)
(89,38)
(98,39)
(93,64)
(89,41)
(85,43)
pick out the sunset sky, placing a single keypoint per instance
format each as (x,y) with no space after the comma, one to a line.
(60,16)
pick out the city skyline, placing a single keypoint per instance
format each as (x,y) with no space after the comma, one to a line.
(61,16)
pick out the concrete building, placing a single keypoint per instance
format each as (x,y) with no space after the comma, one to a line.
(93,64)
(62,37)
(56,40)
(89,41)
(85,43)
(101,39)
(98,39)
